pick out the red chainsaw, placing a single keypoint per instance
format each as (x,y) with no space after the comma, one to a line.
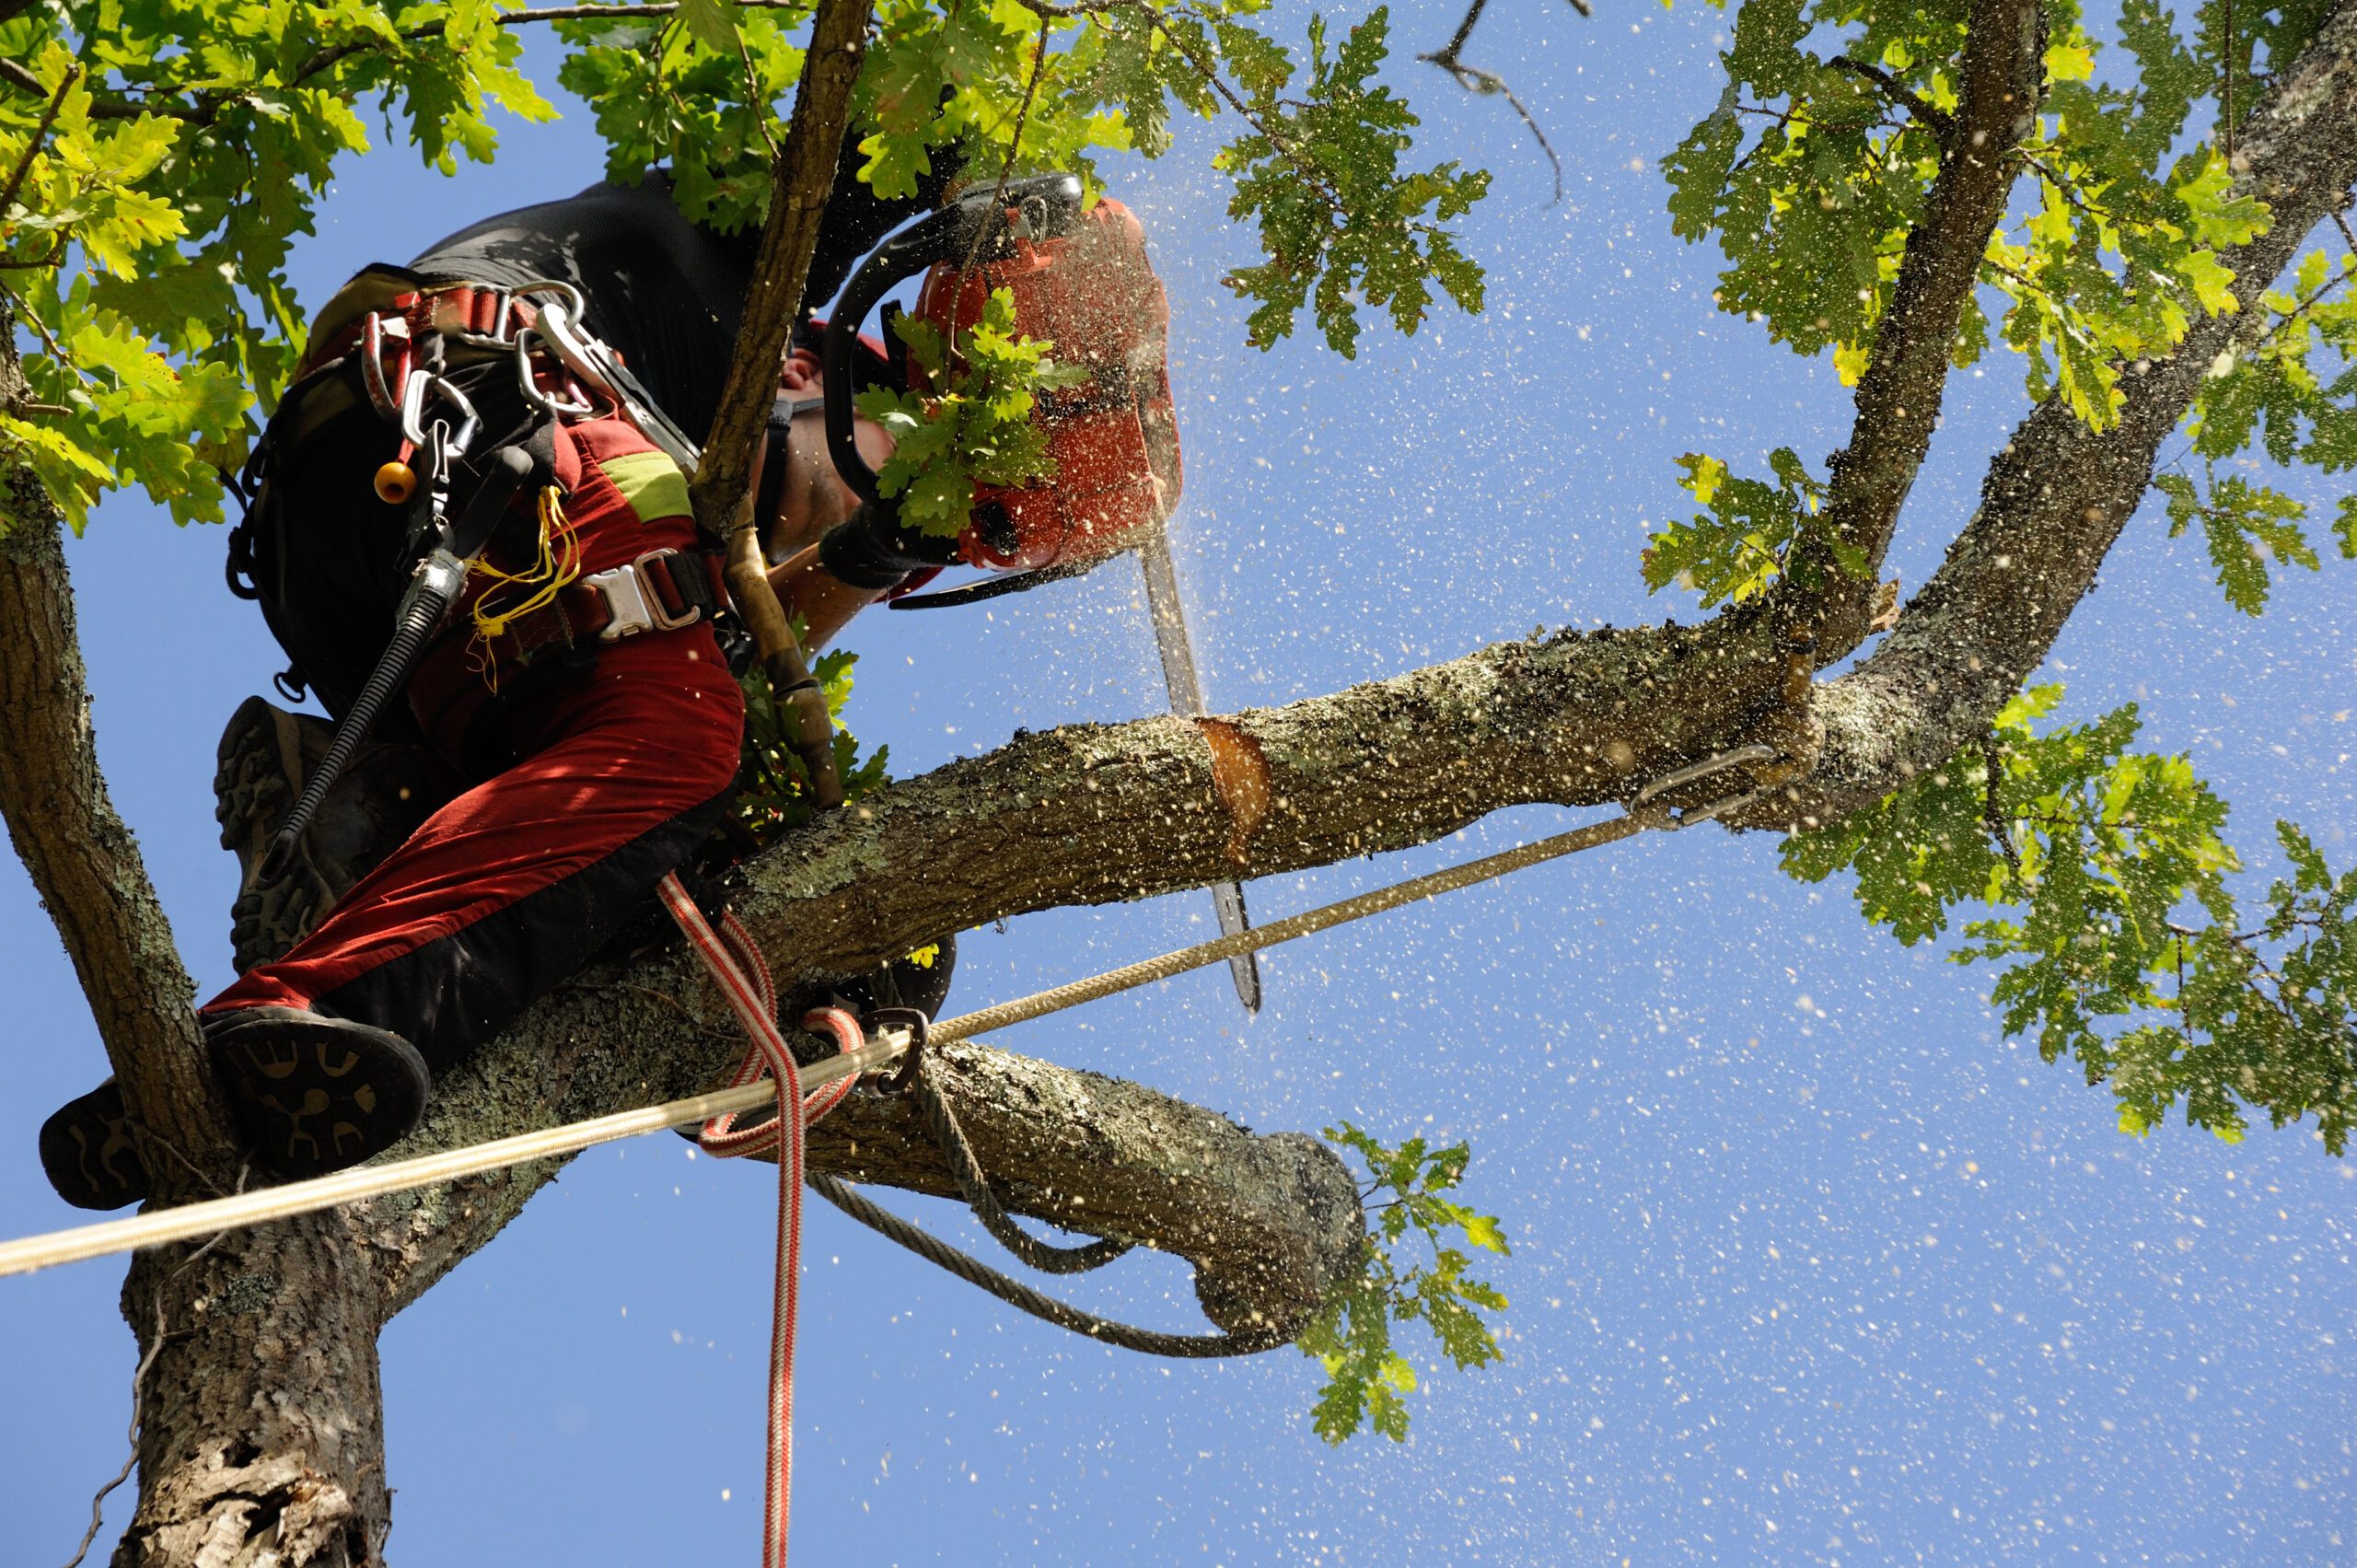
(1079,278)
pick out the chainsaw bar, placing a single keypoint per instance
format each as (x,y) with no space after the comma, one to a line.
(1179,672)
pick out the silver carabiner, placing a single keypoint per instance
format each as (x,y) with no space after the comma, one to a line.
(586,356)
(413,410)
(413,406)
(372,363)
(509,299)
(541,285)
(556,330)
(562,408)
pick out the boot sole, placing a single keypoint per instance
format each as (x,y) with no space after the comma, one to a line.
(316,1095)
(87,1152)
(252,793)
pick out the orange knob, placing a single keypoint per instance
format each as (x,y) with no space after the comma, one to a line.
(396,483)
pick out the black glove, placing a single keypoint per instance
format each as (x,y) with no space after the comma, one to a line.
(873,549)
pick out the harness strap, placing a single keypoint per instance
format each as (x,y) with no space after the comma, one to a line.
(663,590)
(480,315)
(781,424)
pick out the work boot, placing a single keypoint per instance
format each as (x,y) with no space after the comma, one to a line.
(315,1094)
(385,794)
(88,1151)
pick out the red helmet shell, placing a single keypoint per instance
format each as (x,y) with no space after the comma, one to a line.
(1115,437)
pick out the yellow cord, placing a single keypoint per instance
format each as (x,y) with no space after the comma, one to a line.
(559,563)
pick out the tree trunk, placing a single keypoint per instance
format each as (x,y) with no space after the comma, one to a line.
(261,1433)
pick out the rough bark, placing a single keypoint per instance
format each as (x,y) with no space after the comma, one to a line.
(82,858)
(260,1429)
(1269,1221)
(262,1436)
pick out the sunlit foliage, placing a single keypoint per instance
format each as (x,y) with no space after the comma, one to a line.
(1366,1374)
(2090,859)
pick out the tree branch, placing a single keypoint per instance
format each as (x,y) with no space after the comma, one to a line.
(1929,115)
(2057,497)
(1474,79)
(1898,396)
(800,183)
(1097,814)
(40,134)
(83,859)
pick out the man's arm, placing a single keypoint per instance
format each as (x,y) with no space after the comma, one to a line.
(814,499)
(826,606)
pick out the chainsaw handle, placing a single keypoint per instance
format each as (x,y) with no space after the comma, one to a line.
(948,235)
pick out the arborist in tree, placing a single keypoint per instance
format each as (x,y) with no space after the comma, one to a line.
(489,445)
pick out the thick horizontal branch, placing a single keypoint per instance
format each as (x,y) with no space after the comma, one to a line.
(1094,814)
(2057,497)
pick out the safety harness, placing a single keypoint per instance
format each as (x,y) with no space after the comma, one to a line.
(402,340)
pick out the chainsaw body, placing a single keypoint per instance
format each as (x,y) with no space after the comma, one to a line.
(1080,280)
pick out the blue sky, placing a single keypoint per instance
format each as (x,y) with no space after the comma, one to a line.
(1810,1265)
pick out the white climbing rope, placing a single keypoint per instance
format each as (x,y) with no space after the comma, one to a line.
(195,1220)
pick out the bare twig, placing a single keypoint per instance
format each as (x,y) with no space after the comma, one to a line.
(23,312)
(754,99)
(40,134)
(1079,7)
(2065,184)
(1473,79)
(1464,31)
(1218,84)
(1937,121)
(1014,145)
(2303,308)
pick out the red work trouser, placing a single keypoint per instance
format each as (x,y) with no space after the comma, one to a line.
(621,771)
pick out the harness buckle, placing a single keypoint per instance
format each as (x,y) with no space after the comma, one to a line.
(635,602)
(374,330)
(625,598)
(510,315)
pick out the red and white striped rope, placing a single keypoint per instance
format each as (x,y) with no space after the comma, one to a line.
(736,965)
